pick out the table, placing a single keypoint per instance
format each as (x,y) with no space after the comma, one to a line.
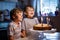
(49,34)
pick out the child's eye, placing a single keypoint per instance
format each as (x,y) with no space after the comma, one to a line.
(17,12)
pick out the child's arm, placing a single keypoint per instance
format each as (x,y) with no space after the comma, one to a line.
(11,38)
(23,33)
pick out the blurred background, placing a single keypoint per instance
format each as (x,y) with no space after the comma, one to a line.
(50,8)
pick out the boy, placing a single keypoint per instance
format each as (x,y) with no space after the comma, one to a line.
(30,20)
(16,16)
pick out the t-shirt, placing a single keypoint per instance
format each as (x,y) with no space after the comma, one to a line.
(15,30)
(29,23)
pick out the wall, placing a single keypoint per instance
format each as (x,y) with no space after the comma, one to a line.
(7,5)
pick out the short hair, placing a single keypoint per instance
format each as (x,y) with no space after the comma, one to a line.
(27,7)
(13,12)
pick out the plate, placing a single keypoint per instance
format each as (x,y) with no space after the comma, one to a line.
(45,31)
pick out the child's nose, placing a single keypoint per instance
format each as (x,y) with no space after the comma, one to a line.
(21,16)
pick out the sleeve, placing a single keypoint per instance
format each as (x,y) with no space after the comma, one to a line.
(11,30)
(36,20)
(23,25)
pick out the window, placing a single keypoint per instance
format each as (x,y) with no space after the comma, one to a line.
(48,7)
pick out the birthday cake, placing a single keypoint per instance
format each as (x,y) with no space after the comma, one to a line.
(42,27)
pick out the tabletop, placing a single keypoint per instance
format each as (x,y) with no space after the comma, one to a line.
(45,36)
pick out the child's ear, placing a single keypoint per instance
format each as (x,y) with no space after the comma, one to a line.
(13,17)
(16,16)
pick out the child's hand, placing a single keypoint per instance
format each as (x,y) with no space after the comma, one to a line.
(23,34)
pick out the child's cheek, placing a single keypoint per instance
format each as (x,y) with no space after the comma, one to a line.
(20,18)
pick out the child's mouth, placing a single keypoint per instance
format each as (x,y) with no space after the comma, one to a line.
(31,13)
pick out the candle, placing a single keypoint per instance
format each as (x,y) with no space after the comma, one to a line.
(48,20)
(41,19)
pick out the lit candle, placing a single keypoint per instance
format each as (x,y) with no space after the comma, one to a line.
(41,19)
(48,20)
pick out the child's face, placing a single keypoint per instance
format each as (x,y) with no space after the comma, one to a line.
(19,16)
(30,12)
